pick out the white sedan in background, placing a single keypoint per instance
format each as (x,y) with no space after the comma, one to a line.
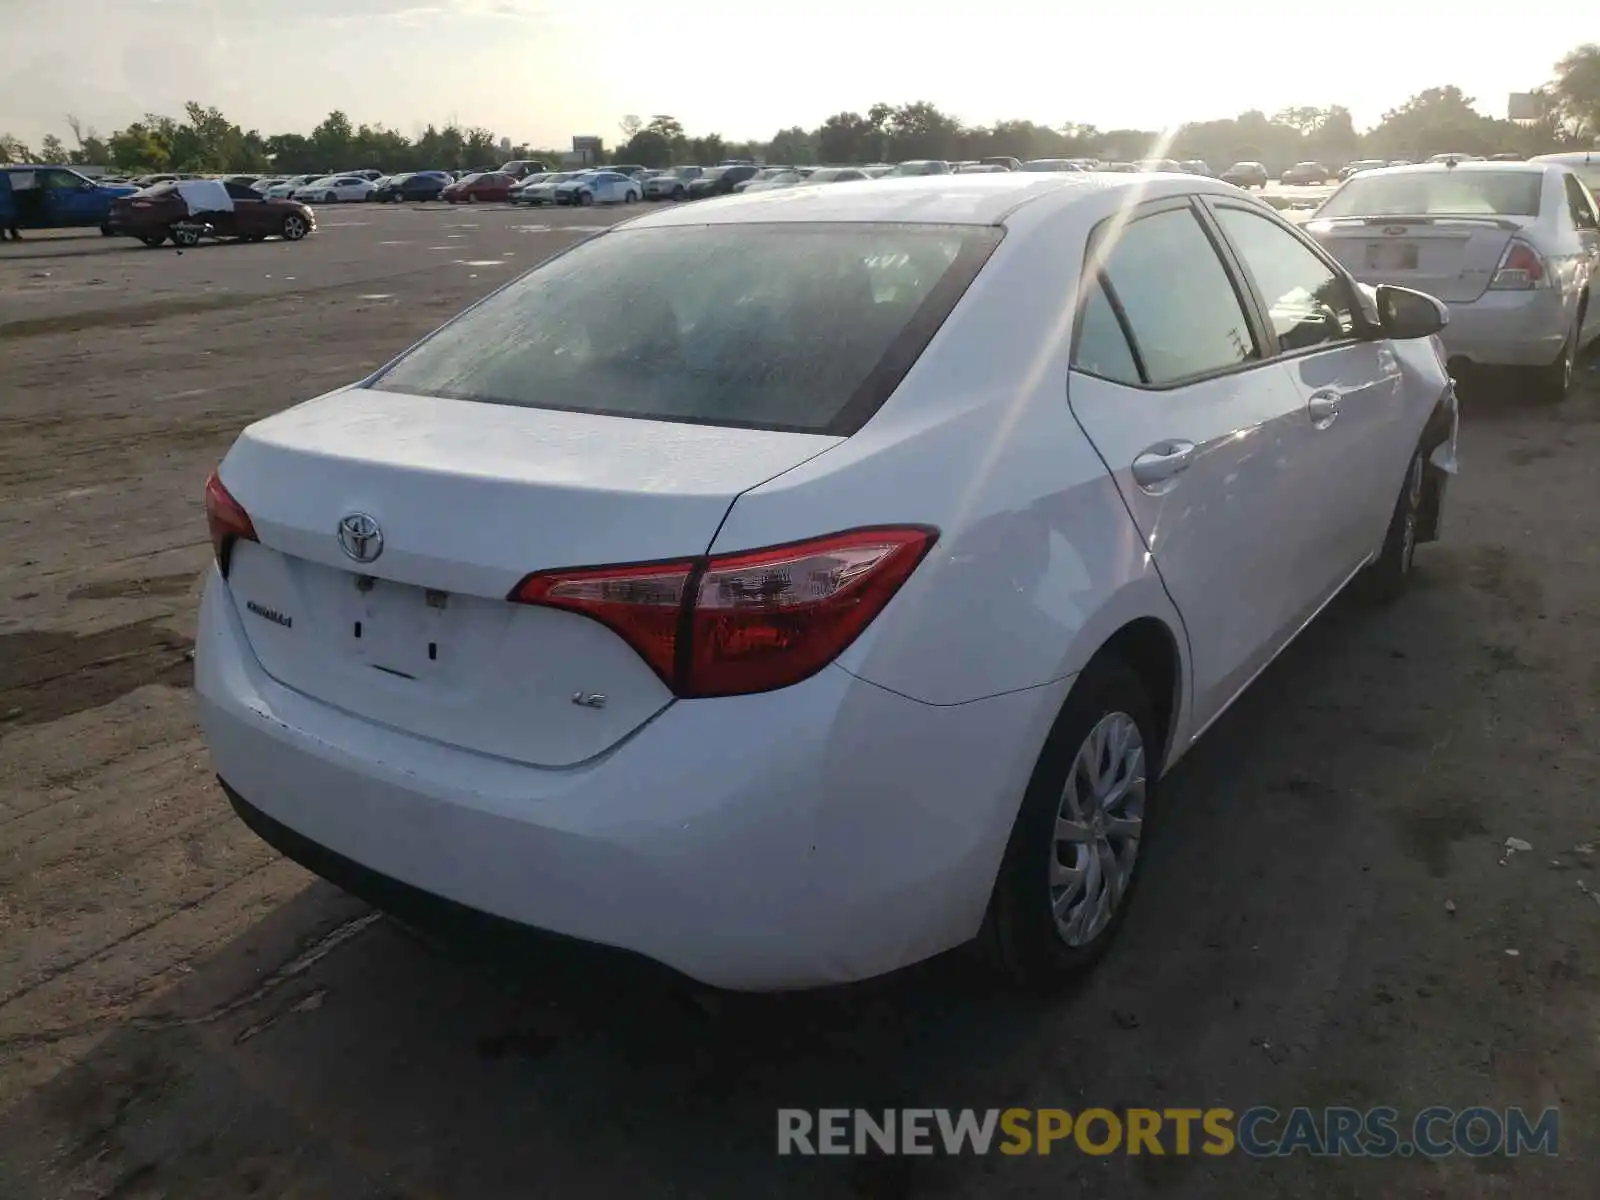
(1512,247)
(599,187)
(791,588)
(771,179)
(334,189)
(288,187)
(836,175)
(540,189)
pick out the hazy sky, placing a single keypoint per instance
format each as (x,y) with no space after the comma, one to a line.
(540,71)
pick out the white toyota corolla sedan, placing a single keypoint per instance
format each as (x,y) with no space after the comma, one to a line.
(791,587)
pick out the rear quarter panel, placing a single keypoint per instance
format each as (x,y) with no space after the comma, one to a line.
(1038,562)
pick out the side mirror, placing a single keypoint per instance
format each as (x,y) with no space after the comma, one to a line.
(1405,314)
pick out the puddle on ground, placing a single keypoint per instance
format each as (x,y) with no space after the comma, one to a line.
(377,296)
(483,262)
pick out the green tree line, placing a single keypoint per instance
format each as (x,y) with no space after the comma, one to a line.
(1432,121)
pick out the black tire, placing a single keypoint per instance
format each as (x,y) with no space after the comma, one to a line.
(331,198)
(1386,578)
(585,199)
(677,193)
(185,238)
(1020,935)
(1551,384)
(107,231)
(294,228)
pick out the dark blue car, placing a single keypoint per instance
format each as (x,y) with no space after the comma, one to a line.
(49,197)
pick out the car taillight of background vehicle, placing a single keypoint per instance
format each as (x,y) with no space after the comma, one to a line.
(227,520)
(734,624)
(1520,268)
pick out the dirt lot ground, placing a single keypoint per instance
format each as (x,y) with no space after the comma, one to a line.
(183,1014)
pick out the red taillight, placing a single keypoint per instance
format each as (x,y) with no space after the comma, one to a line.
(227,520)
(1520,268)
(739,623)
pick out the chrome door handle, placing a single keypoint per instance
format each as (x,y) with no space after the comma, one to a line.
(1162,463)
(1323,409)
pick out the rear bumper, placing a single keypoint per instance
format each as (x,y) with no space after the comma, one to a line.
(823,833)
(1512,329)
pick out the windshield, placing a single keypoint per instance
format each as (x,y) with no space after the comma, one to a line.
(911,168)
(766,326)
(1438,193)
(715,173)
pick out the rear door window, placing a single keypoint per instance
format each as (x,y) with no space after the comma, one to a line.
(1101,346)
(798,327)
(1183,311)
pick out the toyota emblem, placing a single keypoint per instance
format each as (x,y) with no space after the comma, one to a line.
(360,537)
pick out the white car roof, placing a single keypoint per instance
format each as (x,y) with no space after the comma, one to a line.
(926,199)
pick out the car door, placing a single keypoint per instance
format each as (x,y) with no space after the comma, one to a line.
(1199,428)
(1350,383)
(249,211)
(1586,219)
(70,199)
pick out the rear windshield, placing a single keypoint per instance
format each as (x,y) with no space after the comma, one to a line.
(792,327)
(1435,193)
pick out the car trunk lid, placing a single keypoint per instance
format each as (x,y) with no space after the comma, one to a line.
(1450,257)
(468,499)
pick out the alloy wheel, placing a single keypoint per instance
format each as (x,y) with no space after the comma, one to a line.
(1099,823)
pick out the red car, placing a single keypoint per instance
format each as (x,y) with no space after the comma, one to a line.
(490,185)
(160,212)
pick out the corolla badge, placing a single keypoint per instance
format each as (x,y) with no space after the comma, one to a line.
(360,537)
